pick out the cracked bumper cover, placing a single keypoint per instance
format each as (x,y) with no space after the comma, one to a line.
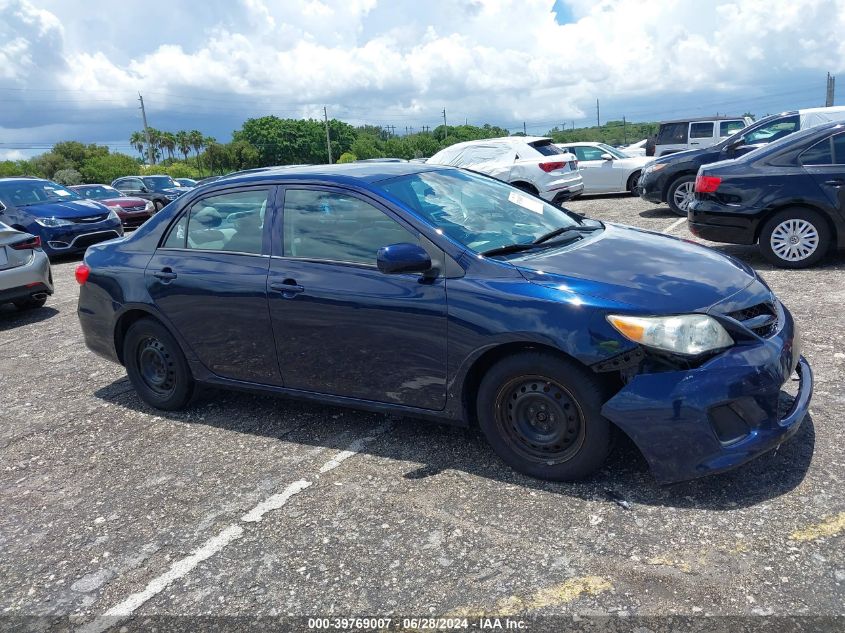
(668,414)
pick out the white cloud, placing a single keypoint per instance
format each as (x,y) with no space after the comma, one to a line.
(403,60)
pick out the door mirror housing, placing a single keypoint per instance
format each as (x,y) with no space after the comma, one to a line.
(403,258)
(607,156)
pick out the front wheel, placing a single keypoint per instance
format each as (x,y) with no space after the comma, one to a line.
(795,238)
(156,366)
(680,194)
(542,415)
(158,204)
(633,182)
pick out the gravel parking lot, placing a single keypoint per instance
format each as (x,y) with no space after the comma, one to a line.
(253,505)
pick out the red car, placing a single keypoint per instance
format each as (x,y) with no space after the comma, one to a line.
(133,212)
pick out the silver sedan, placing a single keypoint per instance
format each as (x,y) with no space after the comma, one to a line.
(25,277)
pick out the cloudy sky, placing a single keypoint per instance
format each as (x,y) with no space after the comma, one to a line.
(72,69)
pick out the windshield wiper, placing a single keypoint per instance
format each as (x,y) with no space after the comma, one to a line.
(565,229)
(530,246)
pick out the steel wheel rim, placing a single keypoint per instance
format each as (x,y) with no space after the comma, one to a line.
(541,419)
(683,195)
(794,240)
(156,367)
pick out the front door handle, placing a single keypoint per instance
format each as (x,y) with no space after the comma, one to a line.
(289,288)
(165,274)
(835,182)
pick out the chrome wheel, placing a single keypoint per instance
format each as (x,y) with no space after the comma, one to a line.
(794,240)
(683,195)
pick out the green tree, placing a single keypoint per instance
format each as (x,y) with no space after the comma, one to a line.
(168,143)
(183,142)
(104,169)
(347,157)
(138,141)
(68,177)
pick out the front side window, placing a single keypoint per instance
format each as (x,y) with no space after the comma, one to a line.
(772,131)
(232,222)
(332,226)
(818,154)
(585,152)
(839,149)
(701,130)
(478,212)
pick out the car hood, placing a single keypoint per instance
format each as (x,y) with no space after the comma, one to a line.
(69,209)
(646,271)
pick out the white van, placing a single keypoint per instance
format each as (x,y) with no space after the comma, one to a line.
(683,134)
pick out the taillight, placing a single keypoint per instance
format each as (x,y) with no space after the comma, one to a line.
(82,272)
(547,167)
(27,244)
(707,184)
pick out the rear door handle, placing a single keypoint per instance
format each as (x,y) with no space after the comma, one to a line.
(289,288)
(835,182)
(165,274)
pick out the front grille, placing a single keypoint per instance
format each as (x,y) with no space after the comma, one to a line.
(90,219)
(762,319)
(136,208)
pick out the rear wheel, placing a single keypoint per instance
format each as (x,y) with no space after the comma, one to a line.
(680,194)
(542,416)
(156,366)
(795,238)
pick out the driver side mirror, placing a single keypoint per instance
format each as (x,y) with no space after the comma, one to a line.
(403,258)
(607,156)
(2,207)
(143,189)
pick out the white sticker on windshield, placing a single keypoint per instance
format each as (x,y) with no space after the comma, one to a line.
(61,192)
(525,202)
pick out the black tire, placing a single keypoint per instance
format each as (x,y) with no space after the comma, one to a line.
(806,226)
(156,366)
(158,204)
(683,181)
(30,304)
(633,179)
(566,439)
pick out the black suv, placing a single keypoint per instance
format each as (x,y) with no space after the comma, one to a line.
(670,178)
(161,189)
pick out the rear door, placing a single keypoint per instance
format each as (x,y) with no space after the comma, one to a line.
(342,327)
(209,278)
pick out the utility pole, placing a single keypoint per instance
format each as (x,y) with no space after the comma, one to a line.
(524,129)
(445,127)
(328,138)
(150,155)
(625,129)
(831,85)
(598,118)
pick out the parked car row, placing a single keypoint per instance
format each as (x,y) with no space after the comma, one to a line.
(772,194)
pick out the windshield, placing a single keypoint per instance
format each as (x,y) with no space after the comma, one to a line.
(157,183)
(100,192)
(479,212)
(20,193)
(613,151)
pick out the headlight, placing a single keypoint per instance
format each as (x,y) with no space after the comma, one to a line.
(149,206)
(52,222)
(113,214)
(689,334)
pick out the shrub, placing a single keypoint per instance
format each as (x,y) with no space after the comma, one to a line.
(347,157)
(68,177)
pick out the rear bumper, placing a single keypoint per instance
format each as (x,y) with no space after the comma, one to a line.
(562,190)
(713,221)
(718,416)
(22,282)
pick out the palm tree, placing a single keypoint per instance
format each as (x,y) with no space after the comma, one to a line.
(168,143)
(138,140)
(183,142)
(155,141)
(197,141)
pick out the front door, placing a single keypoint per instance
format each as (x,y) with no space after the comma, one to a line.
(598,174)
(209,278)
(341,326)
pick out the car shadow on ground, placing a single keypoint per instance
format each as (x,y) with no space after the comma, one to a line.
(624,480)
(659,212)
(11,317)
(751,255)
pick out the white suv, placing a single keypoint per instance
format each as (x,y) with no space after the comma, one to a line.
(531,163)
(683,134)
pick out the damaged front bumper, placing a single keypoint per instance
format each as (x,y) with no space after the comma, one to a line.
(719,415)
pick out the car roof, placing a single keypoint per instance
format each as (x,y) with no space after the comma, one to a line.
(704,118)
(347,172)
(590,143)
(24,178)
(822,109)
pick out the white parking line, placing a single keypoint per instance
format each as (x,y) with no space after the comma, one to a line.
(674,225)
(123,610)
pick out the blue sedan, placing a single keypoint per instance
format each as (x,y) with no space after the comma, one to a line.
(435,292)
(65,222)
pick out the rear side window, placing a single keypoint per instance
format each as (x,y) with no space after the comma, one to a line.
(701,130)
(839,149)
(331,226)
(672,133)
(726,128)
(819,154)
